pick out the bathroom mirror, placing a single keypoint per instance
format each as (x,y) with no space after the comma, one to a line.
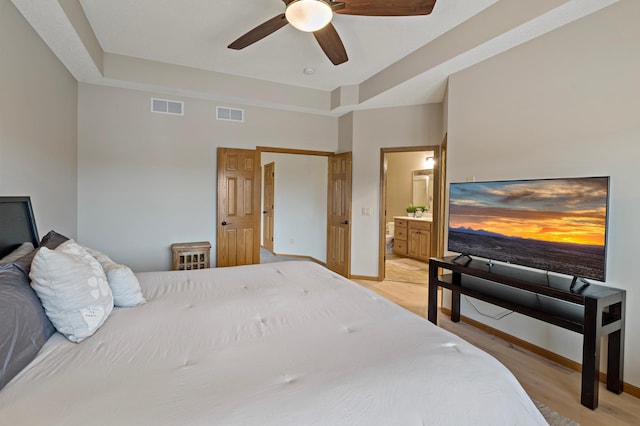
(423,189)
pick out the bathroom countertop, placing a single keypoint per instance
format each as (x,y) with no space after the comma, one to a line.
(426,218)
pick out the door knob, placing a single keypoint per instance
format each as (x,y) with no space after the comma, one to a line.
(224,223)
(346,222)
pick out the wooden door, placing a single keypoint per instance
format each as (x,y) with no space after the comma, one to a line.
(268,205)
(339,214)
(238,226)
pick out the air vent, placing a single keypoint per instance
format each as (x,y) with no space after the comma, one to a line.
(166,106)
(229,114)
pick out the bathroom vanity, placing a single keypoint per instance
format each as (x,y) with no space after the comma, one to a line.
(412,237)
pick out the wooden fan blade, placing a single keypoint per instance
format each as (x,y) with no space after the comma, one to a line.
(259,32)
(331,44)
(387,8)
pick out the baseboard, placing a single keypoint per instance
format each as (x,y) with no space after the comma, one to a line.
(558,359)
(319,262)
(364,277)
(630,389)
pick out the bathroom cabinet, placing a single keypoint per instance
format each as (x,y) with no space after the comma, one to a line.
(412,238)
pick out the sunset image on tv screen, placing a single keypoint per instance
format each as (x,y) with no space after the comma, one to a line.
(539,223)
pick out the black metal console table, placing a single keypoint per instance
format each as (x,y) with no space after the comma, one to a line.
(591,310)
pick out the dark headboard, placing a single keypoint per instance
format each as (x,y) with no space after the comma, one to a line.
(17,224)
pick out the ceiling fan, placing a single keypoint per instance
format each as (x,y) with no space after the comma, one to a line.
(315,16)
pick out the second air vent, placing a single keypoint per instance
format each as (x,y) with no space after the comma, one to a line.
(166,106)
(229,114)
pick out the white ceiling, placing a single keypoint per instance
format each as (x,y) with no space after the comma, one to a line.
(392,60)
(196,33)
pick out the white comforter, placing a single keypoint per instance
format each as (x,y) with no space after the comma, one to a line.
(287,343)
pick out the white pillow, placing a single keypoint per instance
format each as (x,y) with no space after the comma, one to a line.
(123,282)
(24,248)
(73,289)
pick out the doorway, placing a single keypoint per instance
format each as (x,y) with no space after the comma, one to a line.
(411,214)
(294,209)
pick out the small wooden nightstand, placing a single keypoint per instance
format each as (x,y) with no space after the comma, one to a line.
(187,256)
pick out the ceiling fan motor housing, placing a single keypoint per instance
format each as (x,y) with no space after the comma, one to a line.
(309,15)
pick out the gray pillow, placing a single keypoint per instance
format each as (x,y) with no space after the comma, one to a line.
(24,248)
(52,240)
(24,327)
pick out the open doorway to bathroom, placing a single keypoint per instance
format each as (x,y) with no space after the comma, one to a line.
(411,216)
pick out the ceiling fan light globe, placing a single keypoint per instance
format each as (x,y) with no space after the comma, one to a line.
(309,15)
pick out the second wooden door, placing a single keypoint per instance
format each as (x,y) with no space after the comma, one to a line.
(268,206)
(339,214)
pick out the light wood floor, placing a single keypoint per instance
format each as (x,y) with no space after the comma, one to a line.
(552,384)
(406,269)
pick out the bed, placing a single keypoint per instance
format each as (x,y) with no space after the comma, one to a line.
(286,343)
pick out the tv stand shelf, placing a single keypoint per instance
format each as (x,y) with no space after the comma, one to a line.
(591,310)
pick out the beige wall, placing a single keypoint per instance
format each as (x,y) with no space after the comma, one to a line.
(372,130)
(345,133)
(147,180)
(37,125)
(565,104)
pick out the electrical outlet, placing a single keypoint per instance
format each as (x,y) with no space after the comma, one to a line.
(366,211)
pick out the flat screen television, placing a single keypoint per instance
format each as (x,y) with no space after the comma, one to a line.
(557,225)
